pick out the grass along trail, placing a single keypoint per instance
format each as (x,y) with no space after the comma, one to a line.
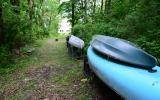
(49,73)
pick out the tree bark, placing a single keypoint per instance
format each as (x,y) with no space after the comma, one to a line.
(102,3)
(82,4)
(107,6)
(1,24)
(82,8)
(94,6)
(73,8)
(30,6)
(1,19)
(85,11)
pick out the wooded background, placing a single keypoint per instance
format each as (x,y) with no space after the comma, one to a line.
(23,22)
(134,20)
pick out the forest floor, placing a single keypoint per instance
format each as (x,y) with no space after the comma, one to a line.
(49,73)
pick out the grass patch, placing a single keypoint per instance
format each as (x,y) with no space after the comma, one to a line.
(27,78)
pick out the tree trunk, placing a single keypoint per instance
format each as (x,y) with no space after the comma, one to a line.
(73,8)
(1,19)
(15,4)
(85,11)
(107,6)
(30,12)
(94,6)
(1,24)
(102,5)
(82,8)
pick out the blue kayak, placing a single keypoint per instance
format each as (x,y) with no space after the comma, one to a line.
(128,81)
(123,51)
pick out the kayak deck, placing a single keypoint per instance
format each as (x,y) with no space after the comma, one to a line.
(128,81)
(123,51)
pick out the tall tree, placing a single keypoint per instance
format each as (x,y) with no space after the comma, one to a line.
(85,11)
(1,18)
(82,7)
(107,6)
(94,6)
(30,5)
(73,11)
(1,23)
(102,3)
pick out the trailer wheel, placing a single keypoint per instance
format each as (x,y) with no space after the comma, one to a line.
(86,69)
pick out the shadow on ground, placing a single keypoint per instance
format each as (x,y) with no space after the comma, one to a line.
(104,92)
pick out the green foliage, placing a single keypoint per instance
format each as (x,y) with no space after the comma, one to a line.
(23,23)
(32,21)
(4,56)
(65,9)
(86,31)
(136,21)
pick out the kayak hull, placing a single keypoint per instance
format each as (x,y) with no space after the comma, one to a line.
(129,82)
(76,42)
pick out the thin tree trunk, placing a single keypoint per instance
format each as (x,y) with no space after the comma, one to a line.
(30,5)
(1,25)
(94,6)
(109,6)
(1,19)
(82,4)
(106,6)
(73,7)
(85,11)
(102,3)
(82,7)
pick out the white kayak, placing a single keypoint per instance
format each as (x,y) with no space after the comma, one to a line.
(76,42)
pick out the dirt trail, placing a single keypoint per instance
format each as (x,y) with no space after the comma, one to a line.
(51,74)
